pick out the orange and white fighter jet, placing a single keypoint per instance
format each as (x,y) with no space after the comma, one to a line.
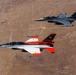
(32,45)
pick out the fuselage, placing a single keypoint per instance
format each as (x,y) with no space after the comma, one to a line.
(33,45)
(21,45)
(57,19)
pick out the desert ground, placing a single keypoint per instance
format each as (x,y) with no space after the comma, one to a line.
(17,21)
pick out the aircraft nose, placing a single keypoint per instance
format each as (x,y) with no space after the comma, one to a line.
(40,19)
(0,45)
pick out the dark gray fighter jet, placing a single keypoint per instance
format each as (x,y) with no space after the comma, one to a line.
(60,19)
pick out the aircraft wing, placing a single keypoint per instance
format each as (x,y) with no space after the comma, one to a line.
(34,51)
(33,39)
(65,22)
(63,15)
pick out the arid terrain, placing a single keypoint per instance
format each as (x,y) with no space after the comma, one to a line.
(17,21)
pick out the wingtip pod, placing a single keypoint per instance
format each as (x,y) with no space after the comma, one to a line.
(53,34)
(35,36)
(36,54)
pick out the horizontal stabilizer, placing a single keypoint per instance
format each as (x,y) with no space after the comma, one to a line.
(36,54)
(52,50)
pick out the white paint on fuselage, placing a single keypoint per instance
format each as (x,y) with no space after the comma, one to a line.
(26,46)
(34,46)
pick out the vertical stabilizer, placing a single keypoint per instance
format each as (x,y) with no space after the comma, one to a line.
(74,15)
(50,37)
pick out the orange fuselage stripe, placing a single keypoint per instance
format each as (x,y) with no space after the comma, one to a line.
(39,42)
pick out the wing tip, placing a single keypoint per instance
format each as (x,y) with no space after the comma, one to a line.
(35,36)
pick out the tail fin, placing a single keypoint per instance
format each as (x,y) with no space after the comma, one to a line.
(74,15)
(50,37)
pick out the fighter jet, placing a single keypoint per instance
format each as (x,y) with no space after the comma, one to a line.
(60,19)
(32,45)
